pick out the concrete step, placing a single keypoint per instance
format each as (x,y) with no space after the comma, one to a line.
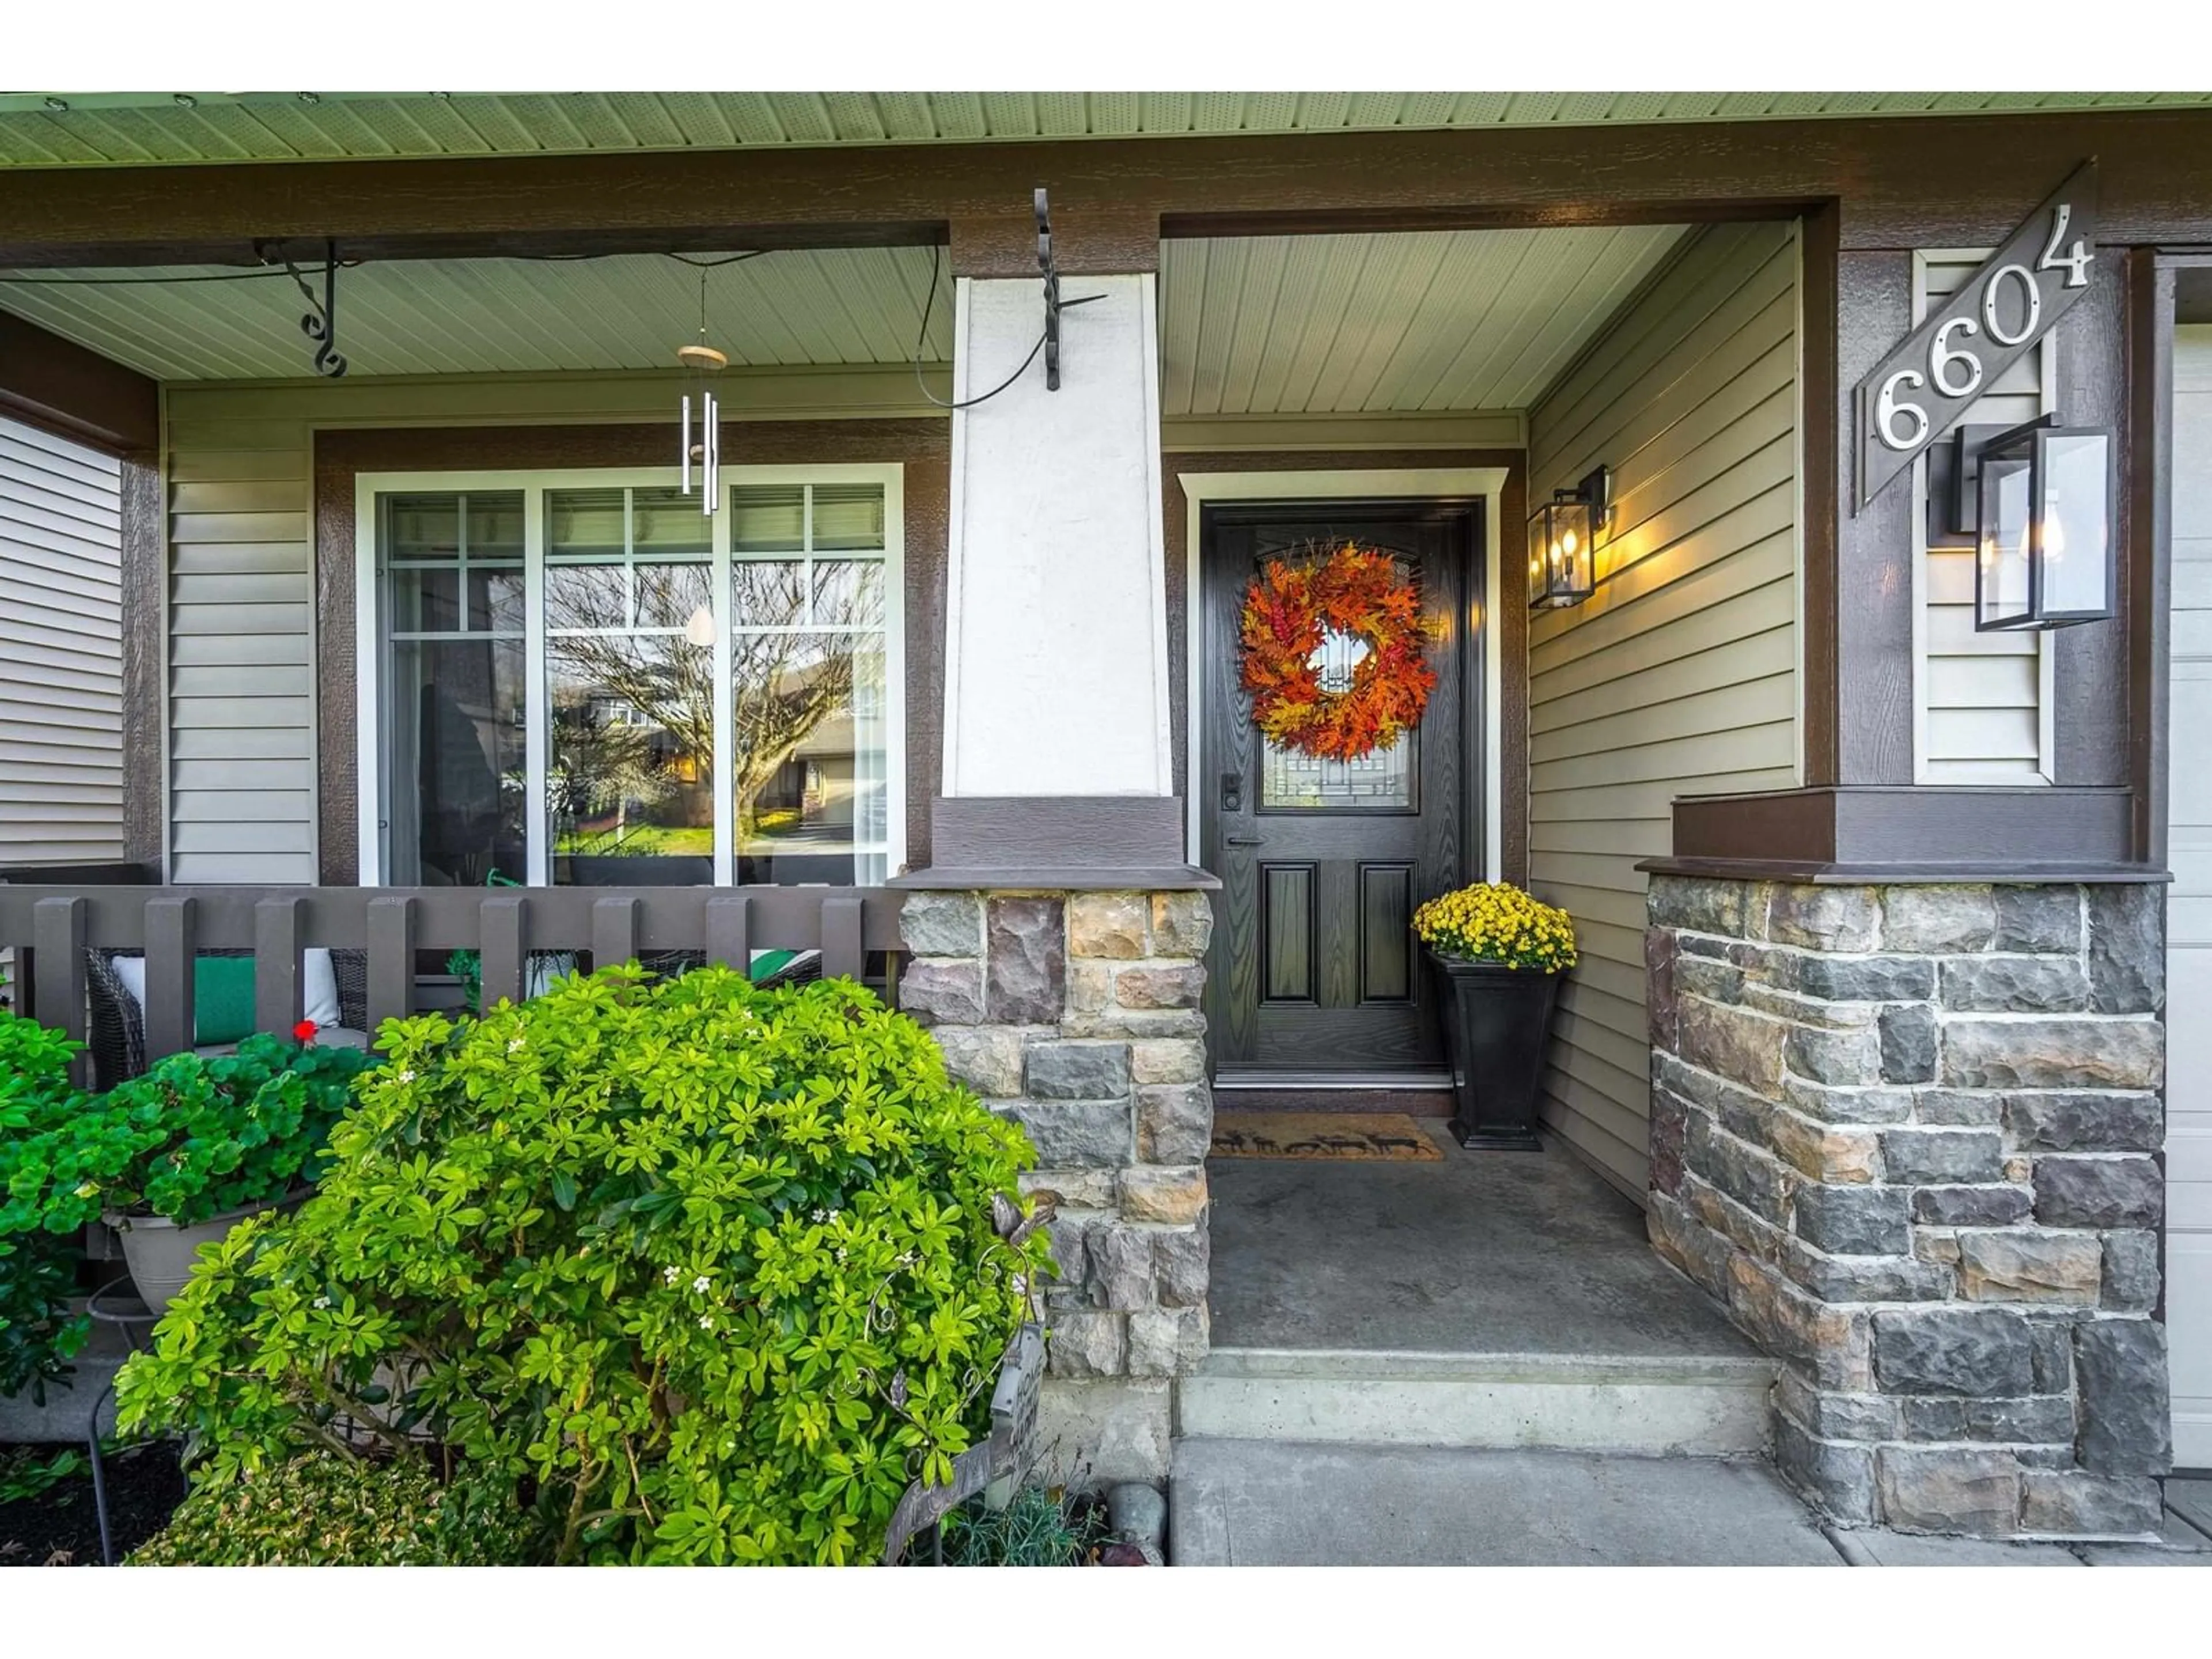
(1243,1503)
(1682,1405)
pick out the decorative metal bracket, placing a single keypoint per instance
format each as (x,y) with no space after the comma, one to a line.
(1053,305)
(320,324)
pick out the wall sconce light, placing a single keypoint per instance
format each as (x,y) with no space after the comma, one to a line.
(2042,518)
(1563,543)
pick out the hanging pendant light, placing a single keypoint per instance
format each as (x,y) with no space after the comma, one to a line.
(702,363)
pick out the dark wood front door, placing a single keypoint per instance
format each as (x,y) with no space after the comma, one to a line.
(1314,971)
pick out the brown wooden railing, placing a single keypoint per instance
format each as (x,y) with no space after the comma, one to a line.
(52,918)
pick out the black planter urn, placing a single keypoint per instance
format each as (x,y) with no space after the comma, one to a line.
(1496,1020)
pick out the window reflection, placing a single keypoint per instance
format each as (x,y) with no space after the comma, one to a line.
(629,778)
(456,690)
(808,757)
(675,710)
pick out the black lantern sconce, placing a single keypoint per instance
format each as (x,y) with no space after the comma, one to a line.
(2036,501)
(1563,543)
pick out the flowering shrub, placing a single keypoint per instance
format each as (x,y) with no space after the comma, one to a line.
(702,1272)
(321,1510)
(1496,921)
(194,1136)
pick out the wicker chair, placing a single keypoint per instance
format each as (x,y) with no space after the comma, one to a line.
(115,1033)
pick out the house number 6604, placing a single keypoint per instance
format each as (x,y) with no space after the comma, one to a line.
(1955,370)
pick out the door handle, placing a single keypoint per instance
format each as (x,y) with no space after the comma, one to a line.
(1243,840)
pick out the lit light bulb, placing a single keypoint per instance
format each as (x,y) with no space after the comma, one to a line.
(699,627)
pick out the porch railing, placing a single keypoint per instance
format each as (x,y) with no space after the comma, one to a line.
(52,917)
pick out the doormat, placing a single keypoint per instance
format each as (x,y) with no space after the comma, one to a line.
(1370,1135)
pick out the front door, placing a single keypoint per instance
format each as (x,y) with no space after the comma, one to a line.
(1313,973)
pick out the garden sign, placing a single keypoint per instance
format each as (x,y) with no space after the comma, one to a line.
(1923,387)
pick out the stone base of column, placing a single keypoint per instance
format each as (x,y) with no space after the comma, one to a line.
(1907,1136)
(1076,1014)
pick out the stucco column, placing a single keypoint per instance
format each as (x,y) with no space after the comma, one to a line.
(1056,670)
(1058,936)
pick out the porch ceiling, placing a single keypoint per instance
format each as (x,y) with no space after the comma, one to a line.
(137,127)
(514,316)
(1410,322)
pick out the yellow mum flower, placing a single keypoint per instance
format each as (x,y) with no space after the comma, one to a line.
(1496,921)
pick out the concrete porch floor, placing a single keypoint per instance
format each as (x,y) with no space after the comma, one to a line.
(1485,1253)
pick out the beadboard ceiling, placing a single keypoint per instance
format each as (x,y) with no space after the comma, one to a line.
(137,128)
(1405,322)
(521,316)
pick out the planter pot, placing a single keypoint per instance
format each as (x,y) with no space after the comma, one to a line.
(1496,1020)
(160,1253)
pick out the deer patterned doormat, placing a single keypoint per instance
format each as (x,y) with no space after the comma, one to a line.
(1371,1135)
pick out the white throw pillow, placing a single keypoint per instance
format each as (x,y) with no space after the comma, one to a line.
(319,985)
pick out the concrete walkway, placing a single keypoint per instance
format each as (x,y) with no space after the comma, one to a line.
(1248,1503)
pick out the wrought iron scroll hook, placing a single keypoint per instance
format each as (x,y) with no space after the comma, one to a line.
(1053,305)
(320,324)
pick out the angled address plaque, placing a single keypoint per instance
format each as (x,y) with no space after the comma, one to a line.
(1924,386)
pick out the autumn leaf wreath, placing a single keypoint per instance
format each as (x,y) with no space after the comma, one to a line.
(1290,609)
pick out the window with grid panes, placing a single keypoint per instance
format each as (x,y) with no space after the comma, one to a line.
(592,682)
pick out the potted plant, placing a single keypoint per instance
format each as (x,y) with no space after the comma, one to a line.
(172,1159)
(1495,956)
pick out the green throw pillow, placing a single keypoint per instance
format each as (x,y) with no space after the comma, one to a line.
(222,999)
(766,964)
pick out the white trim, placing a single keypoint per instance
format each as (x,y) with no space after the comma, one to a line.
(1922,259)
(1797,485)
(1155,544)
(163,654)
(2046,648)
(368,686)
(1487,481)
(537,713)
(533,484)
(956,521)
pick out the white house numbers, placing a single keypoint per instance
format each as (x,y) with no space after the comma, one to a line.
(1927,382)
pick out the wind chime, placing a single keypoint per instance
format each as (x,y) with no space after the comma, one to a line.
(702,363)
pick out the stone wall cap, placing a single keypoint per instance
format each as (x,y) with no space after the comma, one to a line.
(1813,874)
(1072,878)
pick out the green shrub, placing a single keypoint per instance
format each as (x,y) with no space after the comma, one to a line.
(321,1510)
(39,1336)
(712,1271)
(192,1138)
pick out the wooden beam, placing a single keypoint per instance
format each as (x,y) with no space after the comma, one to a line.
(58,384)
(1903,181)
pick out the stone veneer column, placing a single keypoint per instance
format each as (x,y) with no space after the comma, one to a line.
(1076,1014)
(1907,1133)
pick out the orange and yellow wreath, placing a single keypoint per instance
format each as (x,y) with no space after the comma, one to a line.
(1288,611)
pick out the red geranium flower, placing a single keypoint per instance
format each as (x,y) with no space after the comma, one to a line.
(305,1030)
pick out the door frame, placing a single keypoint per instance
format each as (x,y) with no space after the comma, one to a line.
(1202,489)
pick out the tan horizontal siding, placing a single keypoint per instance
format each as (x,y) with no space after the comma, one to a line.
(1980,695)
(241,603)
(1679,675)
(61,655)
